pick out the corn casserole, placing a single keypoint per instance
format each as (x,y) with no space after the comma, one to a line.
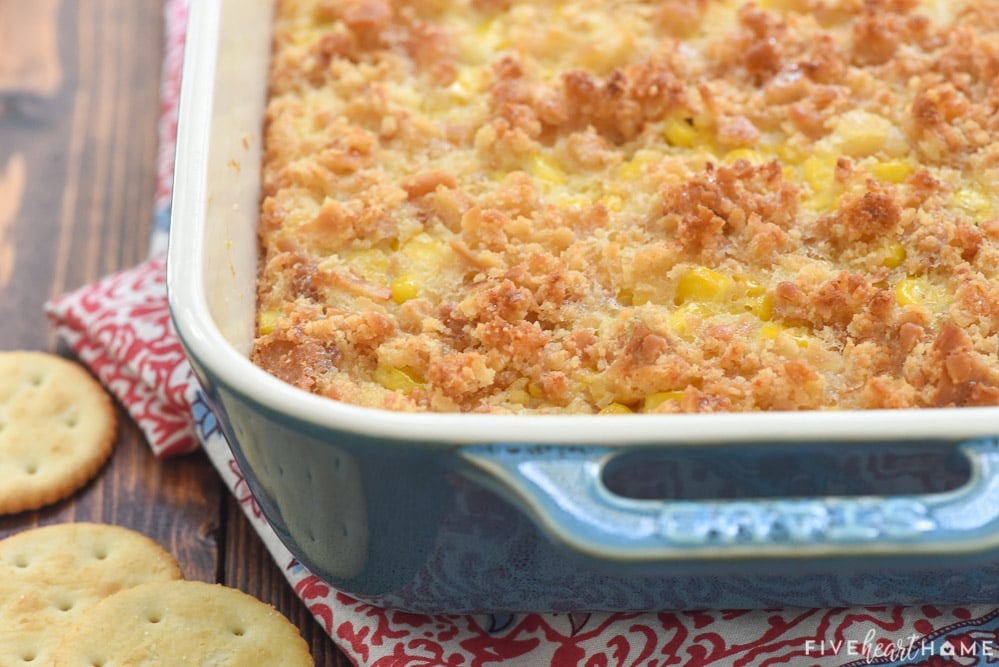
(624,206)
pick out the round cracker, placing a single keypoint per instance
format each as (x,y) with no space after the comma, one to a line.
(57,428)
(182,623)
(50,576)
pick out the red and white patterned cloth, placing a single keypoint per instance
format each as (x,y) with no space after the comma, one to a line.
(121,328)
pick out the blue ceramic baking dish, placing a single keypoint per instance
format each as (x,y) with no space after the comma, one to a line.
(461,513)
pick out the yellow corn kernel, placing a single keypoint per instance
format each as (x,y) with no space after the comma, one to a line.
(634,168)
(771,331)
(535,390)
(403,289)
(895,254)
(761,306)
(613,203)
(892,171)
(680,132)
(819,172)
(547,170)
(753,288)
(789,154)
(267,320)
(517,392)
(469,81)
(653,401)
(820,175)
(918,291)
(702,284)
(800,339)
(574,201)
(753,297)
(908,292)
(420,262)
(397,379)
(630,170)
(640,297)
(679,318)
(519,397)
(974,202)
(425,253)
(615,409)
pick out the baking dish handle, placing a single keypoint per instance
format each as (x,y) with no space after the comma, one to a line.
(562,488)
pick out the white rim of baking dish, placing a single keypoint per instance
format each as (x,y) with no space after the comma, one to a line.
(205,75)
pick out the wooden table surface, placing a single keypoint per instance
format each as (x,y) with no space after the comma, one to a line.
(79,85)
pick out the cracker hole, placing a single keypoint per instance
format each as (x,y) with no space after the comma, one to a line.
(21,562)
(36,380)
(28,657)
(71,420)
(238,631)
(31,468)
(154,617)
(65,605)
(100,553)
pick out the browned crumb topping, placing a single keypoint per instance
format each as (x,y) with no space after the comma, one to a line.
(577,206)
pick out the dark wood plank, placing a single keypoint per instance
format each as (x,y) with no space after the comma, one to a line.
(77,173)
(79,86)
